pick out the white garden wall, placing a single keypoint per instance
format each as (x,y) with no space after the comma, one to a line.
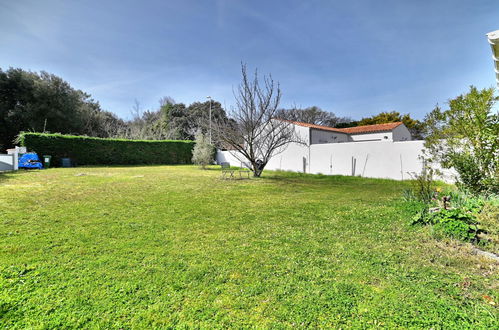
(394,160)
(7,162)
(366,137)
(376,159)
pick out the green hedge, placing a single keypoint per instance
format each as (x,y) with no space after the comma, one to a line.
(98,151)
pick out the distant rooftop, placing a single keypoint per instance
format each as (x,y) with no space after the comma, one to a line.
(371,128)
(352,130)
(321,127)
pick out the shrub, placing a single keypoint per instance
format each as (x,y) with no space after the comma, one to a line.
(466,201)
(489,221)
(423,185)
(455,229)
(455,223)
(466,137)
(453,214)
(98,151)
(459,223)
(203,151)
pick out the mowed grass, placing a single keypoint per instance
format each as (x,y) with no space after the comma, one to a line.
(175,246)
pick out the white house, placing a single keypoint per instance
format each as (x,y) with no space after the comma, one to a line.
(318,134)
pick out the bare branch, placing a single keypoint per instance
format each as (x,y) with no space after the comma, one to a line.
(253,132)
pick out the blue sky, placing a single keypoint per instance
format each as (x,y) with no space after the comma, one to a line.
(355,58)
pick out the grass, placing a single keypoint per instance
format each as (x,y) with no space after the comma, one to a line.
(174,246)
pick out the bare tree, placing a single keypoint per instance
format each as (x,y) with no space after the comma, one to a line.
(166,100)
(136,110)
(253,131)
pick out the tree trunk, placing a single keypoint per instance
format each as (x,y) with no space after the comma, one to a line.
(257,170)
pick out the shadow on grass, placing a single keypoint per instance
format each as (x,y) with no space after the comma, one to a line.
(122,165)
(322,179)
(4,176)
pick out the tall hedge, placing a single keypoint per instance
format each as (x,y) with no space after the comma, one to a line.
(98,151)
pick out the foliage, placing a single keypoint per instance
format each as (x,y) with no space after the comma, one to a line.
(455,228)
(98,151)
(43,102)
(488,219)
(413,125)
(423,185)
(456,223)
(466,216)
(471,203)
(172,121)
(466,137)
(347,124)
(173,247)
(312,115)
(203,151)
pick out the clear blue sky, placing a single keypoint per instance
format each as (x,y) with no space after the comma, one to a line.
(355,58)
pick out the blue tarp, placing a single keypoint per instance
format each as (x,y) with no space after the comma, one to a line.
(30,160)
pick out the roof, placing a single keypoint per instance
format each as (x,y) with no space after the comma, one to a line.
(352,130)
(324,128)
(371,128)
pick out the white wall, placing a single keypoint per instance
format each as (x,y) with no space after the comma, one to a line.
(296,158)
(379,136)
(229,157)
(393,160)
(322,136)
(7,162)
(401,133)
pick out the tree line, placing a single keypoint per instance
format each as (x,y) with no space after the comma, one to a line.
(463,137)
(43,102)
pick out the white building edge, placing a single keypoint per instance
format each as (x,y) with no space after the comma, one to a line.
(493,38)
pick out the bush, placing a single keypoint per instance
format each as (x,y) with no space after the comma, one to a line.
(464,216)
(489,221)
(456,229)
(471,203)
(466,137)
(423,185)
(459,223)
(203,153)
(98,151)
(456,223)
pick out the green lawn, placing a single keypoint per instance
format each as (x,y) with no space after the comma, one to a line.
(163,246)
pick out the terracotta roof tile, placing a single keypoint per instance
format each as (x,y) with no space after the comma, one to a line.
(351,130)
(324,128)
(371,128)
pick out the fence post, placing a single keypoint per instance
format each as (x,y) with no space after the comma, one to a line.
(15,159)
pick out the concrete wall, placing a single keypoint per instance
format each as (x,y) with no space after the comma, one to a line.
(393,160)
(230,157)
(320,136)
(401,133)
(303,133)
(7,162)
(380,136)
(295,157)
